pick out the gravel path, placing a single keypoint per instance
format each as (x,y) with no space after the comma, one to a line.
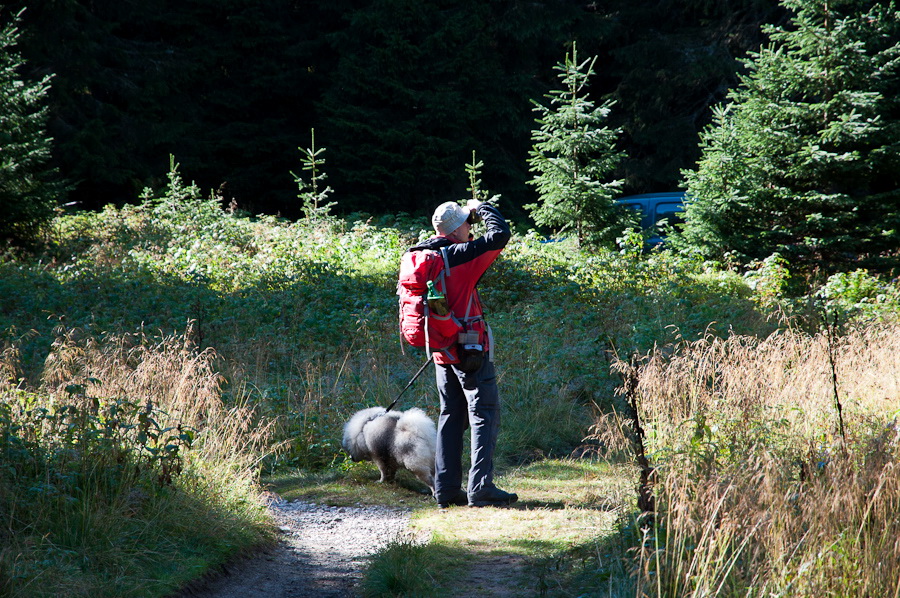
(322,553)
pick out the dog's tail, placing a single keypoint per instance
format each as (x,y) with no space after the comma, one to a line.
(354,440)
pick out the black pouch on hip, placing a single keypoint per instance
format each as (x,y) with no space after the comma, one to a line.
(470,351)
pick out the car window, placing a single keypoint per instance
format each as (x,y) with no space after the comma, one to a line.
(653,207)
(672,212)
(643,217)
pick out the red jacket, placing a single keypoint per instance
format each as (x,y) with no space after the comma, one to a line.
(467,263)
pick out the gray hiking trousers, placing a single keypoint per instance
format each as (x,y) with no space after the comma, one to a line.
(468,400)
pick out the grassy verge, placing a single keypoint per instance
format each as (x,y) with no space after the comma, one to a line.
(777,465)
(125,473)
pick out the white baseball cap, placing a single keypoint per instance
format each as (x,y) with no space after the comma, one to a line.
(448,217)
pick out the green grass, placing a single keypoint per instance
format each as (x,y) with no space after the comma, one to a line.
(563,506)
(352,484)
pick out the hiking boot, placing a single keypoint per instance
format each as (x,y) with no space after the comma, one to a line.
(460,499)
(495,497)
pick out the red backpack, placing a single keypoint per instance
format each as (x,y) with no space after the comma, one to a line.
(420,326)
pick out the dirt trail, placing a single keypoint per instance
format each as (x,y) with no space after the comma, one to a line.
(495,577)
(322,553)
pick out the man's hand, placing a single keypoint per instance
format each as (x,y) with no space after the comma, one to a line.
(472,205)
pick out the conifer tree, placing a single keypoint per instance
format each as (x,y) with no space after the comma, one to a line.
(573,157)
(27,193)
(479,193)
(804,160)
(314,194)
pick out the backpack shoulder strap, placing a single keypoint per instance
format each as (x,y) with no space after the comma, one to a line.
(446,259)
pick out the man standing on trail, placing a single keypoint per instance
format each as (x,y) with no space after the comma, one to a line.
(465,374)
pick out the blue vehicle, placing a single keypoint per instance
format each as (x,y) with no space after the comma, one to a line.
(654,207)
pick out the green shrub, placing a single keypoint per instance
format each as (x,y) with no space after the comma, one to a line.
(859,295)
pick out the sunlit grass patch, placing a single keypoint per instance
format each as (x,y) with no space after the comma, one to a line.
(351,485)
(533,532)
(570,483)
(563,504)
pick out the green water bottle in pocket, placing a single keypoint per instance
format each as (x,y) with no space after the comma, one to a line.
(437,302)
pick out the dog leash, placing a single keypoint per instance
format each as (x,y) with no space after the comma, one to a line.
(419,373)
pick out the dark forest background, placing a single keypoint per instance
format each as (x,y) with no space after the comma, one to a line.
(400,92)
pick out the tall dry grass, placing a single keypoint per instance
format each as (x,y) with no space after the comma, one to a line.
(758,491)
(787,374)
(127,457)
(184,384)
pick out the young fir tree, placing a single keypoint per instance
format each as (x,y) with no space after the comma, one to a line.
(573,157)
(27,191)
(473,170)
(314,194)
(804,160)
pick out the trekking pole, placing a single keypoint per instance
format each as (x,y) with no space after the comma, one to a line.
(419,373)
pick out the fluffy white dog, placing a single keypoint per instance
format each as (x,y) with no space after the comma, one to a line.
(393,439)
